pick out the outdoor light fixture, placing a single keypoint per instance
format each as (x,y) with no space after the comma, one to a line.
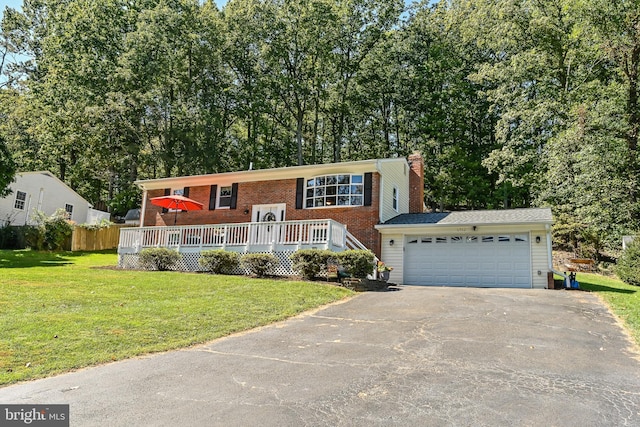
(474,228)
(391,242)
(246,211)
(537,239)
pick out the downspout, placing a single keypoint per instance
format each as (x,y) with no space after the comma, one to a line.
(144,207)
(26,215)
(550,254)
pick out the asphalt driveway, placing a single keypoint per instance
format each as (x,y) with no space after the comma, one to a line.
(414,357)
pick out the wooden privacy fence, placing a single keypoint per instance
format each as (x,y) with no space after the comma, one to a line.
(84,239)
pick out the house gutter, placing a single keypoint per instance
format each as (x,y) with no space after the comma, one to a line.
(459,224)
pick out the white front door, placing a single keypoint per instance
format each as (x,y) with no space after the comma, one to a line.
(268,234)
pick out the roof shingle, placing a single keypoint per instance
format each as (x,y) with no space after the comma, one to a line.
(507,216)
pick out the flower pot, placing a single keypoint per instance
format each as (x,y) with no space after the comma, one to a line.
(383,275)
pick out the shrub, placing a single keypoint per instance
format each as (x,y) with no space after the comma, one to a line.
(50,232)
(357,263)
(311,262)
(104,223)
(13,237)
(260,264)
(161,259)
(628,266)
(219,261)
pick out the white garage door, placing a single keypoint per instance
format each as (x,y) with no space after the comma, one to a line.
(485,261)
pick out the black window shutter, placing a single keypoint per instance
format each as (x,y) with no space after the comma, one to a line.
(185,193)
(299,193)
(167,192)
(234,195)
(368,185)
(212,197)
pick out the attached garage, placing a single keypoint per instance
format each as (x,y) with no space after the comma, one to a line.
(506,248)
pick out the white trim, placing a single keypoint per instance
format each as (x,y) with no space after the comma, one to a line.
(219,192)
(69,213)
(388,228)
(291,172)
(395,198)
(257,211)
(144,207)
(16,200)
(336,195)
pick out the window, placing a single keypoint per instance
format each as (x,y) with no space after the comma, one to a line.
(68,209)
(426,240)
(175,192)
(487,239)
(334,190)
(224,200)
(441,240)
(395,198)
(21,197)
(457,239)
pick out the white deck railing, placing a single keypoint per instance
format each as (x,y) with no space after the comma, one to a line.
(321,234)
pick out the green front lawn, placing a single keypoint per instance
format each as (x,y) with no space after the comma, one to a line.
(623,299)
(60,312)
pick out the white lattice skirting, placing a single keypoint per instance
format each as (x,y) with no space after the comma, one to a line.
(189,262)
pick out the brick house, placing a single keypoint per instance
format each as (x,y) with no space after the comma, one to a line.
(333,206)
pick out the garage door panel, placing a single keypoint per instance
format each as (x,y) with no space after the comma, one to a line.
(488,261)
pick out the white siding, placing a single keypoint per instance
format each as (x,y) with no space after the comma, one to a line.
(394,172)
(393,256)
(45,193)
(539,258)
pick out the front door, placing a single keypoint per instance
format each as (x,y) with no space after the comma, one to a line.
(267,234)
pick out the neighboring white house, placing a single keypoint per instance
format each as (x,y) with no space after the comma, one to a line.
(43,191)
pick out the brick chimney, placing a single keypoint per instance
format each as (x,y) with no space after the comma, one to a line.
(416,183)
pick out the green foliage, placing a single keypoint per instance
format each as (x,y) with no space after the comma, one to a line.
(104,223)
(13,237)
(50,232)
(161,259)
(7,169)
(125,200)
(260,264)
(628,265)
(512,103)
(311,262)
(219,261)
(357,263)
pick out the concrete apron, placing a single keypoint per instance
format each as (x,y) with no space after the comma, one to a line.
(416,356)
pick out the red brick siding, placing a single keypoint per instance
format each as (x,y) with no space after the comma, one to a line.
(416,184)
(360,221)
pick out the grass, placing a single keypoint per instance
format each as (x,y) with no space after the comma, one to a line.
(623,299)
(58,312)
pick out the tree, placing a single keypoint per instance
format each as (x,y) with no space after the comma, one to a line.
(7,170)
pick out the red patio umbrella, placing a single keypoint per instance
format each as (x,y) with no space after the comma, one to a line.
(177,202)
